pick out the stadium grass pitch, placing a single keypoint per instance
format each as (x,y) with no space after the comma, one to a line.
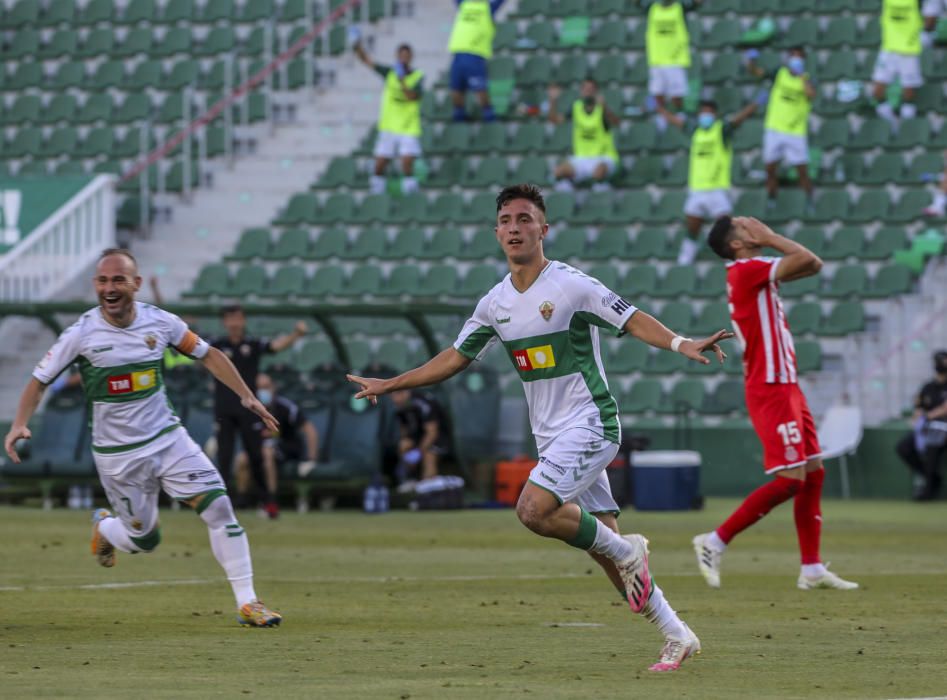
(470,605)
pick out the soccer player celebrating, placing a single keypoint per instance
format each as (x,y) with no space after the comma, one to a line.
(776,404)
(138,442)
(546,316)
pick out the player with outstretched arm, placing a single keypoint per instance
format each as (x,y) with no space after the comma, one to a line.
(776,404)
(138,442)
(546,315)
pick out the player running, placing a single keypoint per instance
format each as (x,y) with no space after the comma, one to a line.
(546,316)
(138,442)
(776,404)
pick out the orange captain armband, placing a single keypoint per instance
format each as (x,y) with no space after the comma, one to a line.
(188,343)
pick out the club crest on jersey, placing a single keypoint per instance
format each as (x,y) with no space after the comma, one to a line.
(546,309)
(541,357)
(791,454)
(151,341)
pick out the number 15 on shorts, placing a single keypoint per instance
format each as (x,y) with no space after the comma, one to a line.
(789,432)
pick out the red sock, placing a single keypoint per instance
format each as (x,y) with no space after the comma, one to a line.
(807,509)
(758,504)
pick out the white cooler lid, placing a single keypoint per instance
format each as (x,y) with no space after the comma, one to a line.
(665,458)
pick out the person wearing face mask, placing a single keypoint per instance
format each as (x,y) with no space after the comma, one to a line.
(399,119)
(902,37)
(669,54)
(924,448)
(296,441)
(708,179)
(785,138)
(594,156)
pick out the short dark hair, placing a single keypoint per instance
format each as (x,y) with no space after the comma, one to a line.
(525,191)
(720,236)
(118,251)
(709,103)
(230,309)
(402,47)
(798,49)
(590,79)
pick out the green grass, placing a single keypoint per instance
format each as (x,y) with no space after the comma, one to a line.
(465,605)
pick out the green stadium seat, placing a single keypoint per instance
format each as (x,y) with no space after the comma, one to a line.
(610,68)
(874,133)
(288,281)
(723,67)
(455,138)
(138,40)
(365,280)
(686,395)
(907,207)
(710,319)
(146,74)
(135,108)
(808,356)
(480,206)
(596,208)
(294,244)
(369,243)
(649,243)
(216,11)
(645,170)
(923,166)
(337,208)
(450,173)
(834,133)
(830,205)
(559,141)
(532,169)
(302,208)
(25,110)
(929,98)
(445,243)
(608,35)
(533,8)
(886,167)
(70,167)
(443,207)
(373,208)
(910,134)
(326,281)
(253,243)
(408,243)
(174,176)
(220,40)
(678,282)
(540,34)
(441,280)
(24,44)
(713,284)
(640,282)
(95,12)
(727,397)
(676,315)
(560,207)
(341,172)
(482,245)
(329,243)
(840,31)
(846,242)
(723,33)
(848,280)
(536,71)
(675,175)
(109,74)
(69,75)
(629,207)
(572,69)
(610,244)
(672,140)
(529,137)
(23,13)
(172,109)
(36,168)
(805,317)
(845,317)
(749,135)
(254,44)
(478,281)
(61,142)
(137,11)
(669,208)
(26,75)
(839,65)
(504,40)
(790,204)
(98,142)
(872,205)
(605,273)
(182,74)
(61,108)
(26,142)
(404,279)
(175,11)
(176,40)
(213,279)
(890,281)
(663,362)
(489,172)
(567,244)
(315,353)
(627,357)
(884,243)
(574,32)
(643,396)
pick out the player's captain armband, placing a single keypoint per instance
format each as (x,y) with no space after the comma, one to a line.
(193,345)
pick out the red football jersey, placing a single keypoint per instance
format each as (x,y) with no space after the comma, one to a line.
(759,321)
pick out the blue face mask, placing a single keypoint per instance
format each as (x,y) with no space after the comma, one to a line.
(265,396)
(796,65)
(705,120)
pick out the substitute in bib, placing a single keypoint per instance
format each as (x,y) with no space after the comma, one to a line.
(594,156)
(471,45)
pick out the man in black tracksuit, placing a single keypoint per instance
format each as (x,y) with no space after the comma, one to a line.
(231,417)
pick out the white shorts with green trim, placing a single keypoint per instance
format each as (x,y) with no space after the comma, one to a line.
(572,468)
(132,479)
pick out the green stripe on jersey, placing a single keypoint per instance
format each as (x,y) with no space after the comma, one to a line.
(580,336)
(475,342)
(121,383)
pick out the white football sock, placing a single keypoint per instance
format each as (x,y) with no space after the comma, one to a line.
(661,123)
(908,110)
(662,614)
(231,548)
(689,250)
(940,200)
(610,543)
(409,185)
(376,184)
(885,111)
(113,530)
(813,570)
(714,541)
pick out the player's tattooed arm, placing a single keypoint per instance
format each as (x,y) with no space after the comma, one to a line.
(651,331)
(442,366)
(29,400)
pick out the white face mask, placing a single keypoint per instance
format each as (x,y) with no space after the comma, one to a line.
(265,396)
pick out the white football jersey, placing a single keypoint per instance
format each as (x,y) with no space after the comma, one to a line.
(121,373)
(550,333)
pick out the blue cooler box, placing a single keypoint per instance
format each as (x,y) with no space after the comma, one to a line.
(665,479)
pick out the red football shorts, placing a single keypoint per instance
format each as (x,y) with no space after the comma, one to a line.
(783,423)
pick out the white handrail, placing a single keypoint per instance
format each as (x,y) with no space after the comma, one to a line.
(62,246)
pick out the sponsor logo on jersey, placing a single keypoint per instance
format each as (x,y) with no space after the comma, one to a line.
(620,306)
(132,382)
(151,341)
(609,298)
(541,357)
(96,351)
(45,361)
(546,309)
(503,320)
(549,463)
(548,478)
